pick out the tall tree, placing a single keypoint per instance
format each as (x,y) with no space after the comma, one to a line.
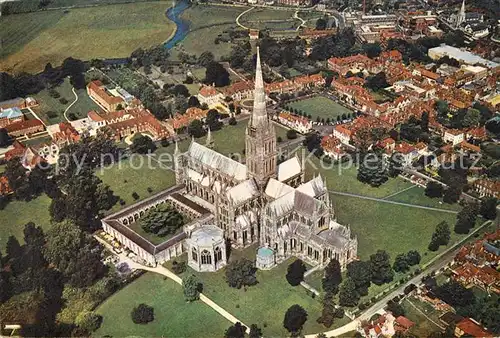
(191,286)
(434,189)
(255,331)
(348,296)
(143,144)
(466,218)
(295,318)
(235,331)
(332,277)
(401,263)
(372,169)
(488,208)
(380,267)
(360,273)
(295,272)
(241,273)
(216,75)
(76,254)
(441,236)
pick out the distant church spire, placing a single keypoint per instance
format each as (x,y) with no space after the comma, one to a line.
(461,15)
(259,114)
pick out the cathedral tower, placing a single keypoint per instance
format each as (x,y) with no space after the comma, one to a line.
(260,138)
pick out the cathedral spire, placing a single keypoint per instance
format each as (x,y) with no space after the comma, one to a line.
(259,114)
(176,151)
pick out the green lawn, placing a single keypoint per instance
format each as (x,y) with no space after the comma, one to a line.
(343,178)
(396,229)
(266,14)
(17,213)
(206,23)
(156,240)
(416,195)
(34,39)
(173,316)
(136,174)
(51,109)
(320,106)
(264,304)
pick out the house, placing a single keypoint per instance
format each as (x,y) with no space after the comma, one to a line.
(10,115)
(484,277)
(18,102)
(453,136)
(301,124)
(487,188)
(4,186)
(332,147)
(403,324)
(408,152)
(383,326)
(22,128)
(28,156)
(181,121)
(210,96)
(470,327)
(102,96)
(239,90)
(343,133)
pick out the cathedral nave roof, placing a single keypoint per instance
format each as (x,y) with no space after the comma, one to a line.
(217,161)
(243,191)
(276,189)
(288,169)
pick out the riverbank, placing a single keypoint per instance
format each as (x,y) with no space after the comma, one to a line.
(181,30)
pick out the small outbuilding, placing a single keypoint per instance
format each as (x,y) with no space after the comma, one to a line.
(206,249)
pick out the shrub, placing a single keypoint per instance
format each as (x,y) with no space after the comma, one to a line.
(142,314)
(279,139)
(63,100)
(122,202)
(135,196)
(54,93)
(51,114)
(89,321)
(178,267)
(150,190)
(164,142)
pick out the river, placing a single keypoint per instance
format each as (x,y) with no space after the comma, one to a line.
(174,13)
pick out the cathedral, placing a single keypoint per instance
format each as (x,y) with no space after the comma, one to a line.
(262,201)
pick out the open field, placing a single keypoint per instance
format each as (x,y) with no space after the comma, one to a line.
(84,33)
(51,110)
(206,24)
(264,304)
(266,14)
(320,106)
(343,178)
(17,213)
(416,195)
(396,229)
(173,316)
(136,175)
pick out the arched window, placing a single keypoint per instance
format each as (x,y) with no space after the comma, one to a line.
(217,254)
(206,257)
(194,253)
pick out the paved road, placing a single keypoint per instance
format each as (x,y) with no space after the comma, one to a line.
(239,17)
(71,105)
(390,202)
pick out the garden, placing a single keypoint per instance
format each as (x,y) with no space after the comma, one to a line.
(319,107)
(173,316)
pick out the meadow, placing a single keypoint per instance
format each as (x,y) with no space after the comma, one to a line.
(32,40)
(320,106)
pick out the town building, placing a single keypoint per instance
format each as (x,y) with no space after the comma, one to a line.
(301,124)
(10,115)
(487,188)
(210,96)
(25,128)
(98,92)
(460,55)
(206,249)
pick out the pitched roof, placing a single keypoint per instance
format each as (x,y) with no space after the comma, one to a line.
(217,161)
(289,168)
(472,328)
(242,192)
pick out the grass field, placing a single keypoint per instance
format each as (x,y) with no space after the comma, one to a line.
(206,23)
(50,104)
(416,195)
(136,174)
(34,39)
(173,316)
(263,304)
(320,106)
(423,326)
(17,213)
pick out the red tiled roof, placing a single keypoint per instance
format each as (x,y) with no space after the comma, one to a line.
(22,125)
(469,327)
(98,89)
(404,322)
(207,91)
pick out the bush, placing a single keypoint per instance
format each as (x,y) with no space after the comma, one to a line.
(361,307)
(63,100)
(178,268)
(122,202)
(135,196)
(142,314)
(295,273)
(54,93)
(279,139)
(89,321)
(164,142)
(51,114)
(291,134)
(150,190)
